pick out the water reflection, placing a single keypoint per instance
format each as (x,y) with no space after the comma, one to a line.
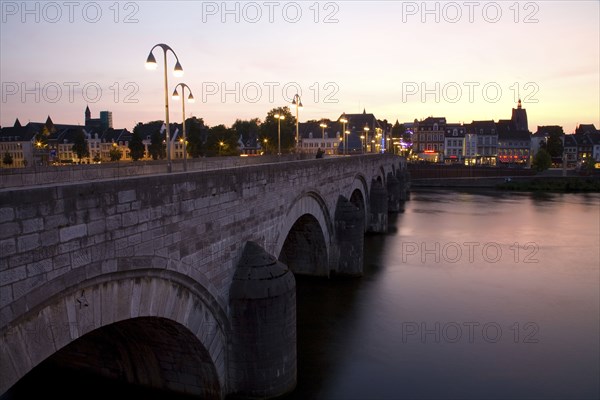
(474,295)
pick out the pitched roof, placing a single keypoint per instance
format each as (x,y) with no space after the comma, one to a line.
(476,127)
(570,141)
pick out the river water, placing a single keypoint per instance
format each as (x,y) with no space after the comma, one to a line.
(471,295)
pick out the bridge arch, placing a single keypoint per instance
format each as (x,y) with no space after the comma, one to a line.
(304,240)
(146,304)
(358,194)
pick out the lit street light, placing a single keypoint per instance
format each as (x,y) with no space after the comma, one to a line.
(279,117)
(366,129)
(221,144)
(190,100)
(362,139)
(323,125)
(178,72)
(297,102)
(344,121)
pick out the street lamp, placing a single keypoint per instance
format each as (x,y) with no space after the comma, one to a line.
(366,129)
(344,121)
(178,72)
(297,102)
(279,117)
(190,100)
(221,144)
(362,139)
(323,125)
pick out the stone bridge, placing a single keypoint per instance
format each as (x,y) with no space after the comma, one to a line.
(182,282)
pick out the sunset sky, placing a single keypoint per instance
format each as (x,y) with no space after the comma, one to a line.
(473,59)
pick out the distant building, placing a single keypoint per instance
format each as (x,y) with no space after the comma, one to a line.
(514,147)
(519,118)
(314,137)
(454,143)
(18,142)
(101,124)
(429,138)
(44,143)
(570,150)
(487,141)
(588,142)
(366,132)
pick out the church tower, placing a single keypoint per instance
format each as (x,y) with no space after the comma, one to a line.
(88,114)
(519,118)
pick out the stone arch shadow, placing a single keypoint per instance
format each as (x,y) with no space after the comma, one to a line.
(358,195)
(304,240)
(165,311)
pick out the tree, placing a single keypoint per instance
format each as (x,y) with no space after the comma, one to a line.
(157,147)
(398,130)
(136,145)
(554,144)
(196,136)
(115,153)
(588,164)
(222,141)
(268,130)
(80,146)
(542,160)
(248,131)
(7,159)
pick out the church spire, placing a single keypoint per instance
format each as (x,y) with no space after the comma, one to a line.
(519,104)
(17,123)
(88,114)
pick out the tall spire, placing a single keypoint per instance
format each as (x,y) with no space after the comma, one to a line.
(88,114)
(519,104)
(364,110)
(17,123)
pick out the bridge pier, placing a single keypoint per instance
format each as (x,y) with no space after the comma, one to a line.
(394,190)
(378,208)
(263,321)
(347,254)
(404,180)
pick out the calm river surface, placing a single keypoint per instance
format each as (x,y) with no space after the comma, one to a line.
(472,295)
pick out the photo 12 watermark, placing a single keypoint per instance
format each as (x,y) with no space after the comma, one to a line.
(454,92)
(469,252)
(55,12)
(270,92)
(454,12)
(71,92)
(469,332)
(253,12)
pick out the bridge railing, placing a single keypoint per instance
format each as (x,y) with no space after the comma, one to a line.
(48,175)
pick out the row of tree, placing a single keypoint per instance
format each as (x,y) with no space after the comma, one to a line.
(204,141)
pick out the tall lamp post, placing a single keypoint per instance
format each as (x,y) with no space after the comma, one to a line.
(190,100)
(279,117)
(323,125)
(297,102)
(366,129)
(362,139)
(344,121)
(178,72)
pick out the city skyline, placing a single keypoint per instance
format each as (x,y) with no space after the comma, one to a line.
(391,58)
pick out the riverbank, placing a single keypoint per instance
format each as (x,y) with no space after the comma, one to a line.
(521,183)
(554,184)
